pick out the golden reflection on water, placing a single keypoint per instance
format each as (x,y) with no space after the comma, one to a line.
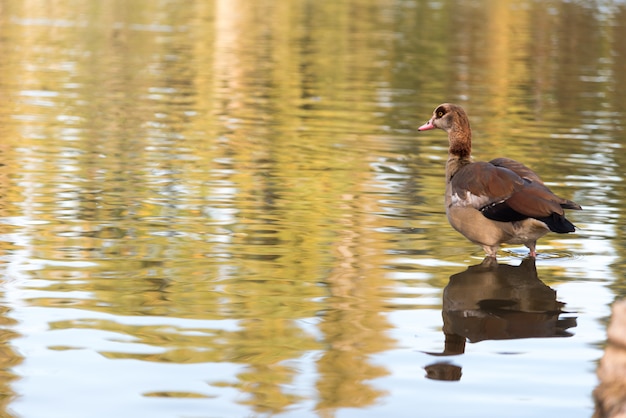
(245,174)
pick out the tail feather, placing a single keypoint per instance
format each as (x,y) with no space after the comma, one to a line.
(568,204)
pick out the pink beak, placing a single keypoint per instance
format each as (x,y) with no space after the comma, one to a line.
(427,126)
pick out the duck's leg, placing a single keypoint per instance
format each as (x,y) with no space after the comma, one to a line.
(490,250)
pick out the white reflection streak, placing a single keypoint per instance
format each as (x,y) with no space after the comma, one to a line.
(18,261)
(227,31)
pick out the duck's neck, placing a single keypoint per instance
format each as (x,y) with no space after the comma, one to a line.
(453,165)
(460,151)
(460,139)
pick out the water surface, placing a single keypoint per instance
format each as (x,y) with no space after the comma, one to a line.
(224,208)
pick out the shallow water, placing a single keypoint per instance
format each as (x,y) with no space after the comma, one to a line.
(224,208)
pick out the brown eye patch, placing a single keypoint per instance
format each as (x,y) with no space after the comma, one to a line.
(440,112)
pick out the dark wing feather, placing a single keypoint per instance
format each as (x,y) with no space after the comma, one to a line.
(502,212)
(535,200)
(558,223)
(529,175)
(518,168)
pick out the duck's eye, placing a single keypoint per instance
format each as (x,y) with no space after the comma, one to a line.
(439,113)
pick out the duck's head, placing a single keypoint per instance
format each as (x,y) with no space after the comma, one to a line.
(447,116)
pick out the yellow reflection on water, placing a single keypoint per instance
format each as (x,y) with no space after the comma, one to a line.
(238,182)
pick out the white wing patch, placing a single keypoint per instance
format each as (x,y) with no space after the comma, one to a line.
(465,199)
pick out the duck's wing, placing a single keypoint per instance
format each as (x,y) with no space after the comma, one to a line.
(508,191)
(529,175)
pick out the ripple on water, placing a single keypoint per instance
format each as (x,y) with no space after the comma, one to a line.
(551,254)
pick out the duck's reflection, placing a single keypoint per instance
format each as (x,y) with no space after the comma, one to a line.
(492,301)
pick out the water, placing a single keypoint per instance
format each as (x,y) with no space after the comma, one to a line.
(224,209)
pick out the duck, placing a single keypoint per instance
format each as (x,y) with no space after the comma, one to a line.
(497,202)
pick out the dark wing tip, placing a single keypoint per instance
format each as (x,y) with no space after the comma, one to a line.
(558,223)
